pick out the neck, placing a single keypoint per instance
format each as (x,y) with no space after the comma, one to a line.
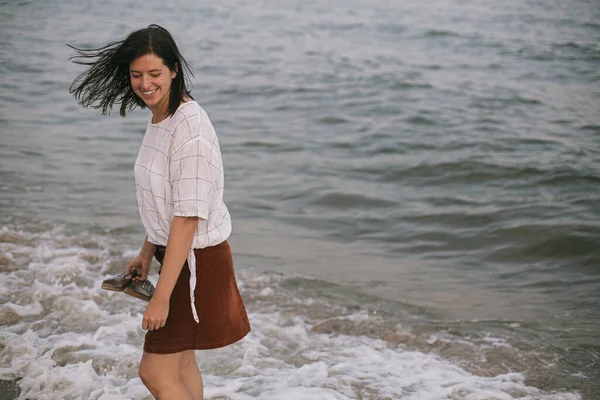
(160,111)
(158,116)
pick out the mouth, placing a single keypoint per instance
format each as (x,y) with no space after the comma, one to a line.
(149,93)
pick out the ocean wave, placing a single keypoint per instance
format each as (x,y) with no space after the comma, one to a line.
(63,337)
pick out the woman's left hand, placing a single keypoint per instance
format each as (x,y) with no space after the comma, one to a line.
(156,314)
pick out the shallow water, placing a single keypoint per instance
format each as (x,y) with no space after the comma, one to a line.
(414,190)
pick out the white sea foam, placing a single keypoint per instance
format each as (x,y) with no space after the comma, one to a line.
(318,366)
(30,309)
(68,339)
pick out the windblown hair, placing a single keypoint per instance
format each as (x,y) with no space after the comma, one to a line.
(107,81)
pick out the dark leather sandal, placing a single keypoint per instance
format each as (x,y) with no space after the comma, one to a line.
(119,282)
(142,290)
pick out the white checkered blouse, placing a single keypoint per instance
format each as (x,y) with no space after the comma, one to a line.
(179,172)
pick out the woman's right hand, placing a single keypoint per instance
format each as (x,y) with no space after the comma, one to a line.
(142,264)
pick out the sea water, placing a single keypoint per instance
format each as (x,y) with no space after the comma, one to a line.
(414,189)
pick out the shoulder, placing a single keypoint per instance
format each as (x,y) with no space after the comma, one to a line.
(190,122)
(188,113)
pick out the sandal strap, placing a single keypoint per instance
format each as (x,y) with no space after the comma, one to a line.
(148,286)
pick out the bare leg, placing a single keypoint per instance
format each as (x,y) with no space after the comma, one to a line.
(162,376)
(190,375)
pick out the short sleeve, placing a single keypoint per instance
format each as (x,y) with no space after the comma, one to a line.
(190,179)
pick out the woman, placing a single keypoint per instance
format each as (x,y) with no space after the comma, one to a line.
(179,186)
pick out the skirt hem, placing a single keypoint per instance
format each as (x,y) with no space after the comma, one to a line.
(157,349)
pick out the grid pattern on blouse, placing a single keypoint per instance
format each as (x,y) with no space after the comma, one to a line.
(179,172)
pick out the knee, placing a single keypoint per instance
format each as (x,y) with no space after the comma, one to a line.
(146,375)
(155,379)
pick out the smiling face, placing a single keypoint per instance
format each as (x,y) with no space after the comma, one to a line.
(151,81)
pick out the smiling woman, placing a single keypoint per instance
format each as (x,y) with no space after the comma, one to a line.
(112,78)
(151,81)
(179,186)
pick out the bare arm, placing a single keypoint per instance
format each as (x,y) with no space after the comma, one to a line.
(178,247)
(142,261)
(148,249)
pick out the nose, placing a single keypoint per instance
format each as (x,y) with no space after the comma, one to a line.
(145,84)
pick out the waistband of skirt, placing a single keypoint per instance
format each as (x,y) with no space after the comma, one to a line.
(220,246)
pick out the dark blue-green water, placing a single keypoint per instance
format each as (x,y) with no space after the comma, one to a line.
(417,181)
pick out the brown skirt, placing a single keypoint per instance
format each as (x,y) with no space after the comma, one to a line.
(221,311)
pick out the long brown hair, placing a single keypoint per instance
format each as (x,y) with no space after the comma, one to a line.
(107,81)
